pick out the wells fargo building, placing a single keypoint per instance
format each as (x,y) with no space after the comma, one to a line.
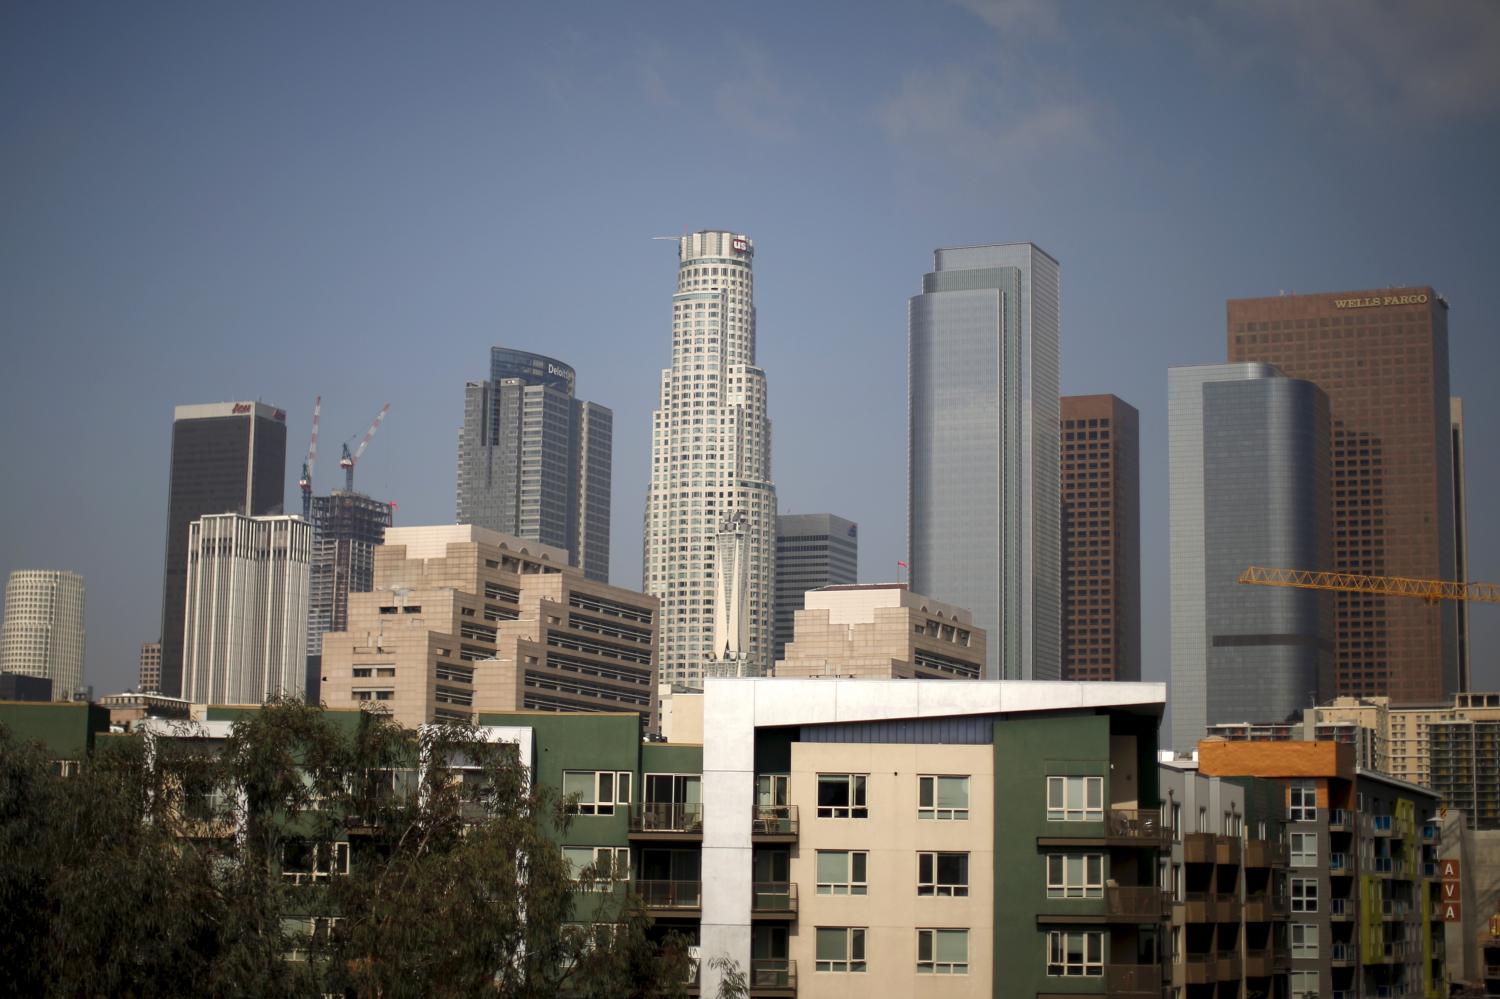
(1382,358)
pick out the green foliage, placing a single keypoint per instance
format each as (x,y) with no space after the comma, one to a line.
(175,866)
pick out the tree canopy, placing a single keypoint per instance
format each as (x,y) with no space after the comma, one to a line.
(308,856)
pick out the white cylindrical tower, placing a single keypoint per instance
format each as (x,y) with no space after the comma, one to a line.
(710,463)
(43,631)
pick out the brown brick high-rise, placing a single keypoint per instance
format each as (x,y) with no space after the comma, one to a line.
(1101,516)
(1382,357)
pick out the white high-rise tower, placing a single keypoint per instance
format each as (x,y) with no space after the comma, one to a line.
(710,528)
(43,631)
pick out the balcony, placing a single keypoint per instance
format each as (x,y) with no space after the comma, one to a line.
(1264,853)
(1342,956)
(1339,864)
(667,820)
(1260,963)
(1200,969)
(1394,909)
(773,977)
(1226,850)
(1429,869)
(1226,908)
(671,898)
(1339,820)
(773,900)
(1228,965)
(1431,833)
(1138,904)
(1385,865)
(1132,981)
(773,824)
(1265,908)
(1131,826)
(1199,907)
(1342,909)
(1198,848)
(1383,825)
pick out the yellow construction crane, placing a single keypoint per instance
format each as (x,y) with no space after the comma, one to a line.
(1429,590)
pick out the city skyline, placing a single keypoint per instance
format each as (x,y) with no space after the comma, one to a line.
(175,313)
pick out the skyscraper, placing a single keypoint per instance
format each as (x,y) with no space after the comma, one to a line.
(1248,452)
(534,462)
(43,631)
(1460,539)
(1382,357)
(1101,537)
(245,637)
(812,550)
(149,678)
(711,506)
(982,413)
(227,457)
(346,529)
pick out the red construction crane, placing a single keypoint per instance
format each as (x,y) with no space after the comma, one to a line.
(307,463)
(348,461)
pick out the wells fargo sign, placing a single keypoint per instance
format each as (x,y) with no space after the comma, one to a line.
(1378,300)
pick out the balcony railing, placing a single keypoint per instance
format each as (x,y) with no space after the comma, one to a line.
(1132,981)
(1342,954)
(1200,969)
(774,820)
(1135,824)
(667,817)
(1338,863)
(773,976)
(1264,908)
(1226,850)
(774,897)
(1198,848)
(1338,820)
(670,894)
(1132,902)
(1264,853)
(1383,825)
(1341,908)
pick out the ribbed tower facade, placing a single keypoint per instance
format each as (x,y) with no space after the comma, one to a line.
(43,631)
(710,526)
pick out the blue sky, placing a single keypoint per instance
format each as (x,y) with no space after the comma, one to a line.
(204,202)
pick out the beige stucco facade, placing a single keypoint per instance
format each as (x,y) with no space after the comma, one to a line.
(892,912)
(463,619)
(882,631)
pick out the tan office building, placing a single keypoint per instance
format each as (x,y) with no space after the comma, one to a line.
(882,631)
(464,619)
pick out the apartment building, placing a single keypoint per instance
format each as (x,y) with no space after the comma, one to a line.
(465,619)
(1362,887)
(1226,876)
(884,631)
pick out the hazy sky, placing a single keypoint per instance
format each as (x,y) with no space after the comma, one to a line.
(203,202)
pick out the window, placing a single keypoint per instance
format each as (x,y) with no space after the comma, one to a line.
(1177,821)
(1079,875)
(1304,985)
(841,948)
(1075,799)
(943,874)
(942,952)
(597,792)
(842,796)
(1304,939)
(1073,954)
(608,863)
(942,798)
(842,872)
(1304,849)
(1303,802)
(1304,894)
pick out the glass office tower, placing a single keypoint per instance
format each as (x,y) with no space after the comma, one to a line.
(1249,472)
(983,501)
(534,462)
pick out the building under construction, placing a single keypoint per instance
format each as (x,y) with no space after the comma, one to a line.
(346,529)
(347,526)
